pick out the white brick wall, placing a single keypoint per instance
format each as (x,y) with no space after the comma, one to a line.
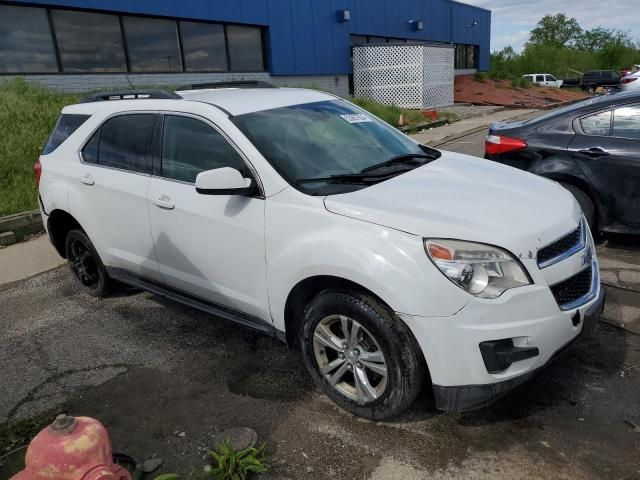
(337,84)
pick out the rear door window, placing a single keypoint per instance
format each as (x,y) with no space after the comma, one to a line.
(626,122)
(598,124)
(65,126)
(539,78)
(122,142)
(190,146)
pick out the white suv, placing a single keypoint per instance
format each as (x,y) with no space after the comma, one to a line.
(387,263)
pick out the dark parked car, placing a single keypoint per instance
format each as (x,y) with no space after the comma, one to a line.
(592,148)
(599,78)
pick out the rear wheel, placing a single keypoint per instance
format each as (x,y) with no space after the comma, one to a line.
(361,355)
(588,208)
(85,264)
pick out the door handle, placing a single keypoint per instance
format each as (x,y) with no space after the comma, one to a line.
(163,202)
(87,179)
(594,152)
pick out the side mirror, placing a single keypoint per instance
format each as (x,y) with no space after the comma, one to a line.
(224,181)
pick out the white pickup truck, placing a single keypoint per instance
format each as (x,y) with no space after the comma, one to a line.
(543,79)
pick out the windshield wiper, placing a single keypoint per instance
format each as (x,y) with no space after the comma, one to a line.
(348,178)
(403,159)
(364,177)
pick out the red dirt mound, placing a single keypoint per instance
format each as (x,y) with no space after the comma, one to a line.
(500,92)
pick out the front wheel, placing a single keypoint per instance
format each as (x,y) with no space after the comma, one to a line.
(361,355)
(586,204)
(85,264)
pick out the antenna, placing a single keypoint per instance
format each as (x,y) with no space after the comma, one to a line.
(128,81)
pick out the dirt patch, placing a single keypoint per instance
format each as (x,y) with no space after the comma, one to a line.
(500,92)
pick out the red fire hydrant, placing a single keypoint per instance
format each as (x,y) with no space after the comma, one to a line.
(71,449)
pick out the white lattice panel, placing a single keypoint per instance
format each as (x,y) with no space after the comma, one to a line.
(438,76)
(409,76)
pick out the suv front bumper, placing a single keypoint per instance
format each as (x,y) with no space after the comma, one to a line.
(451,345)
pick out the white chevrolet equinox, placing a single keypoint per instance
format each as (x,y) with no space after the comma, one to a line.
(389,264)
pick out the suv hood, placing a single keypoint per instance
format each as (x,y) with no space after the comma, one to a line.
(467,198)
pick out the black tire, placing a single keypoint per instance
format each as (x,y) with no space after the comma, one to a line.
(405,368)
(85,264)
(588,208)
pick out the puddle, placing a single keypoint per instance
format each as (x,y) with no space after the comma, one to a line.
(270,383)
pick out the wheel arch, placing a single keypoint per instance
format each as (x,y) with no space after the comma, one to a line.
(306,289)
(585,187)
(59,224)
(302,293)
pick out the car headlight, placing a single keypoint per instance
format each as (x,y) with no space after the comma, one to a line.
(481,270)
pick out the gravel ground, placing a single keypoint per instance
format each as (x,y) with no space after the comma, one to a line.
(150,369)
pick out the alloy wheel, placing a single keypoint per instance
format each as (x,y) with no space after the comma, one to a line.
(83,264)
(350,358)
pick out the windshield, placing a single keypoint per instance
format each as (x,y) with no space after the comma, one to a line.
(313,144)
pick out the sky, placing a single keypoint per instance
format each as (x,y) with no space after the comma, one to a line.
(512,20)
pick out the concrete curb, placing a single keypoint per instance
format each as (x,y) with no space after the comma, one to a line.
(13,228)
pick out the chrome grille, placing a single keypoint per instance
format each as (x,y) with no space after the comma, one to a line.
(562,248)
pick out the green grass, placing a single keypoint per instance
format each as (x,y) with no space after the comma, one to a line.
(480,77)
(521,83)
(27,115)
(390,113)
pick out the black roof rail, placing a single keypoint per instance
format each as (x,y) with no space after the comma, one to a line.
(131,95)
(229,84)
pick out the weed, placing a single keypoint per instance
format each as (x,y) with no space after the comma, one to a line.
(233,464)
(480,77)
(18,434)
(15,437)
(520,83)
(448,116)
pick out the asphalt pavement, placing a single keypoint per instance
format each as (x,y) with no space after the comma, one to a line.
(152,370)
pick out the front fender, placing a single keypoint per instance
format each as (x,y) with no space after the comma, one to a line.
(305,240)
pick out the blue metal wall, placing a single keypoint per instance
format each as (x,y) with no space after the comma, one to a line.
(305,37)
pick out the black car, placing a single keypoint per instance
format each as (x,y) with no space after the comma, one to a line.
(592,148)
(599,78)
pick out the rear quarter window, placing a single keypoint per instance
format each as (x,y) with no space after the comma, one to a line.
(65,126)
(598,124)
(122,142)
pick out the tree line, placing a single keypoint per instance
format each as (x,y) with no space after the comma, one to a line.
(558,45)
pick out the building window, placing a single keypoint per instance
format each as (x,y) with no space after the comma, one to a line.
(466,56)
(152,44)
(245,49)
(25,40)
(203,47)
(89,42)
(43,40)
